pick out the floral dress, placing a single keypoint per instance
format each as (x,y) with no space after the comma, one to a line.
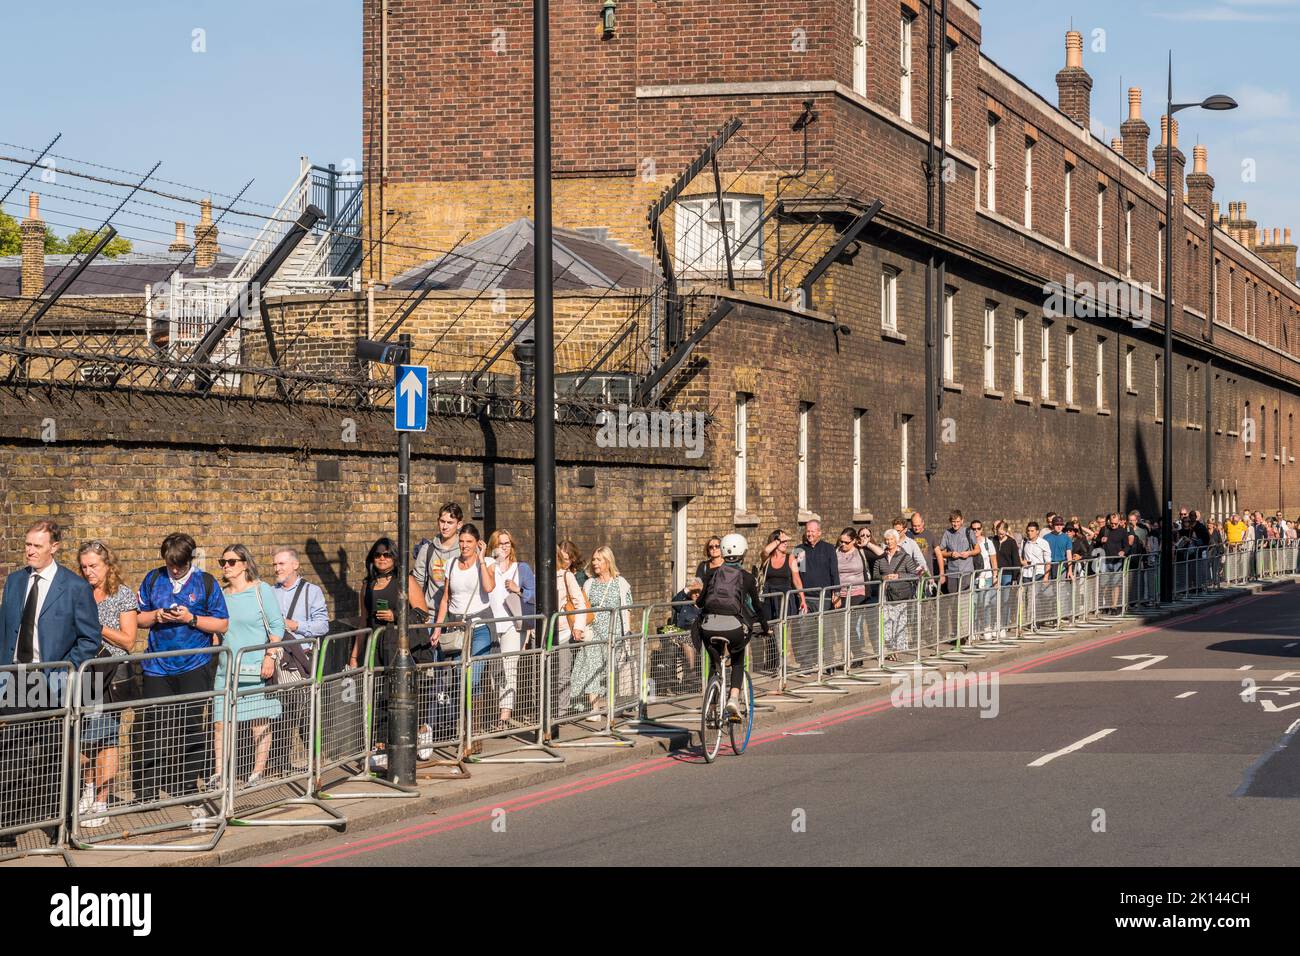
(588,677)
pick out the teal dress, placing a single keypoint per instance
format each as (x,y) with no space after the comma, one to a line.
(247,630)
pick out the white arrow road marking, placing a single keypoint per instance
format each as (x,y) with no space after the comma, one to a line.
(1047,758)
(1186,693)
(1285,674)
(1245,667)
(410,388)
(1154,659)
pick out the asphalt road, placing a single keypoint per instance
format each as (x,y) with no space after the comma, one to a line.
(1184,763)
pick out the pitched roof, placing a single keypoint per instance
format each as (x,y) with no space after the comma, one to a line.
(503,259)
(128,274)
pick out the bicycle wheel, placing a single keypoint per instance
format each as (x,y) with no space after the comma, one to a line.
(741,727)
(711,720)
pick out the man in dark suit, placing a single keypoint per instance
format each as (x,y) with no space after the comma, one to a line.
(48,615)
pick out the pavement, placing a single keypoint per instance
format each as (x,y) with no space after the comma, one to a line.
(1157,741)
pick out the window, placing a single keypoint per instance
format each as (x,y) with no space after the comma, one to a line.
(1218,290)
(700,251)
(1019,368)
(1290,439)
(681,557)
(1044,372)
(1069,183)
(1232,275)
(1263,431)
(991,165)
(1128,240)
(889,298)
(860,47)
(742,452)
(1101,372)
(1247,428)
(905,68)
(904,423)
(1187,397)
(1128,368)
(949,372)
(804,409)
(947,93)
(1069,366)
(858,415)
(990,338)
(1101,217)
(1160,258)
(1029,183)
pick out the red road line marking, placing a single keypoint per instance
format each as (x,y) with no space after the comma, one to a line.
(618,775)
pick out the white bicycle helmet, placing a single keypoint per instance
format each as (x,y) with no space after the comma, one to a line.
(734,546)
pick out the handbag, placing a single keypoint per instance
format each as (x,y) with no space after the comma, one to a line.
(123,682)
(280,674)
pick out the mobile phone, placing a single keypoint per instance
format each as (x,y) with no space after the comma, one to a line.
(381,604)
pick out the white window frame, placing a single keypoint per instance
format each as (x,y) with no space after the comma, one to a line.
(991,165)
(1069,185)
(889,298)
(858,415)
(948,50)
(904,424)
(1045,362)
(1069,366)
(1128,367)
(1232,274)
(859,14)
(905,67)
(990,345)
(681,560)
(804,409)
(699,247)
(1101,372)
(1101,223)
(742,453)
(1019,369)
(949,344)
(1128,240)
(1029,184)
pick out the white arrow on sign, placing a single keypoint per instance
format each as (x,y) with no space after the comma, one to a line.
(410,389)
(1153,659)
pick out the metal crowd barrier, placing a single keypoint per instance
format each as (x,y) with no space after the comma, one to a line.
(263,770)
(166,785)
(514,681)
(36,708)
(672,667)
(579,678)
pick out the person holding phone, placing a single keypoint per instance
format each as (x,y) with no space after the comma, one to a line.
(381,596)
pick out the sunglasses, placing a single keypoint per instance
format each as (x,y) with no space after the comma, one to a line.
(229,562)
(383,554)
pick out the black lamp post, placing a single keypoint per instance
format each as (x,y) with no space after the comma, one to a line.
(1217,102)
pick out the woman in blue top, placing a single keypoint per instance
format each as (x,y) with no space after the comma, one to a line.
(255,619)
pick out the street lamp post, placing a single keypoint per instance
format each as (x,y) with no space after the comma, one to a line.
(1218,102)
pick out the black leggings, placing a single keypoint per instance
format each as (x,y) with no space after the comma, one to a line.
(738,639)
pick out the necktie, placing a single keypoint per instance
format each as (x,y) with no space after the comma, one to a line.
(27,629)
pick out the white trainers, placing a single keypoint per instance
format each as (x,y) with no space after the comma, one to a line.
(733,708)
(253,780)
(87,800)
(425,744)
(99,808)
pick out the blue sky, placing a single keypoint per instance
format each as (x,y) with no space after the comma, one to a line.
(1245,48)
(280,78)
(122,82)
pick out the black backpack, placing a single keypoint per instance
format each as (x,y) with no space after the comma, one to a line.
(726,592)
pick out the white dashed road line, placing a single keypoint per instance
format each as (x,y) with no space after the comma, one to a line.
(1047,758)
(1186,693)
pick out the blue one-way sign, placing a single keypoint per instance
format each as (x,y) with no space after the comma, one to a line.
(411,399)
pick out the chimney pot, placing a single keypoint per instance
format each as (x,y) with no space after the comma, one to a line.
(1134,103)
(34,207)
(1198,159)
(1073,49)
(1286,236)
(1117,144)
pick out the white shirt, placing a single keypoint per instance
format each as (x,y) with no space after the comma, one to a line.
(1039,555)
(46,578)
(466,595)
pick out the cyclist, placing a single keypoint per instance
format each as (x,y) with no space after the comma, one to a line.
(730,608)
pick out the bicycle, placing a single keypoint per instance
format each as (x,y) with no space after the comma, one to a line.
(713,716)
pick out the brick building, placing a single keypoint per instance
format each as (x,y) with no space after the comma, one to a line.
(1035,400)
